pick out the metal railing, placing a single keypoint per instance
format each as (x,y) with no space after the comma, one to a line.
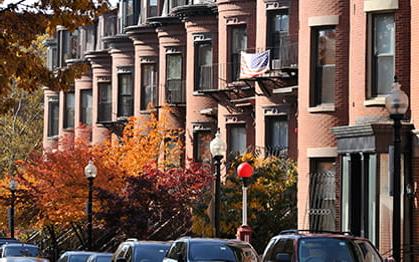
(175,91)
(322,201)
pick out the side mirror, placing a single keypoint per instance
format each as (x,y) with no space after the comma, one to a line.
(389,259)
(180,257)
(282,257)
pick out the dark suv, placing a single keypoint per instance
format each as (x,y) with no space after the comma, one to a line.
(133,250)
(188,249)
(305,246)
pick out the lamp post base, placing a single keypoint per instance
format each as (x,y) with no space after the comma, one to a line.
(244,233)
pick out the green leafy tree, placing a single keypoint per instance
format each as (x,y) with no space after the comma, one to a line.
(272,203)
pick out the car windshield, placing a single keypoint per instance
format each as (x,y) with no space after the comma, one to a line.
(20,251)
(103,258)
(336,250)
(212,252)
(150,253)
(79,258)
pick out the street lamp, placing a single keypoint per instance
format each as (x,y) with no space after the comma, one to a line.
(244,171)
(90,172)
(397,103)
(12,187)
(217,148)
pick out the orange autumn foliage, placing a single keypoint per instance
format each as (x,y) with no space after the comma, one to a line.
(56,181)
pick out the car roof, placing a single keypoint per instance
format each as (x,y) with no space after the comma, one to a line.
(297,234)
(70,253)
(101,254)
(213,240)
(19,245)
(146,243)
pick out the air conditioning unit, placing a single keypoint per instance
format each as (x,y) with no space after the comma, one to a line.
(276,64)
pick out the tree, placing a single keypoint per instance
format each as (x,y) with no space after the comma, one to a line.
(271,199)
(21,64)
(134,189)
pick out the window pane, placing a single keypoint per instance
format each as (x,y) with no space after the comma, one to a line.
(53,116)
(202,141)
(278,34)
(276,132)
(105,102)
(204,71)
(383,57)
(125,95)
(86,107)
(237,139)
(239,39)
(69,110)
(149,86)
(174,66)
(324,66)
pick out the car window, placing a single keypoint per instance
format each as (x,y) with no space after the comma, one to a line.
(366,252)
(128,254)
(103,258)
(281,246)
(202,251)
(150,253)
(79,258)
(20,251)
(178,247)
(326,249)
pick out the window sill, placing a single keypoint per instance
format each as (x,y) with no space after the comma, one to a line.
(375,101)
(197,93)
(53,137)
(322,108)
(68,129)
(147,111)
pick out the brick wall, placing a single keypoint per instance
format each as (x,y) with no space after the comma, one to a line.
(314,129)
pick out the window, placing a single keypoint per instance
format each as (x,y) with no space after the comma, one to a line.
(281,246)
(201,143)
(204,67)
(278,37)
(175,3)
(69,110)
(276,133)
(104,102)
(148,86)
(149,9)
(381,51)
(178,248)
(86,106)
(125,95)
(174,84)
(129,13)
(52,56)
(238,43)
(323,66)
(237,139)
(63,47)
(322,213)
(53,114)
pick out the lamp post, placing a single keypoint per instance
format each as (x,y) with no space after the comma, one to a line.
(12,187)
(90,172)
(397,103)
(217,148)
(245,171)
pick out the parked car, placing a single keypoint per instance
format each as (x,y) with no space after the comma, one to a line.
(75,256)
(7,240)
(23,259)
(100,257)
(209,249)
(306,246)
(19,250)
(133,250)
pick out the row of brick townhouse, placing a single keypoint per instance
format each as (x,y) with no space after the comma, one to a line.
(321,102)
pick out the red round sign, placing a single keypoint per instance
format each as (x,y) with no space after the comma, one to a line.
(245,170)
